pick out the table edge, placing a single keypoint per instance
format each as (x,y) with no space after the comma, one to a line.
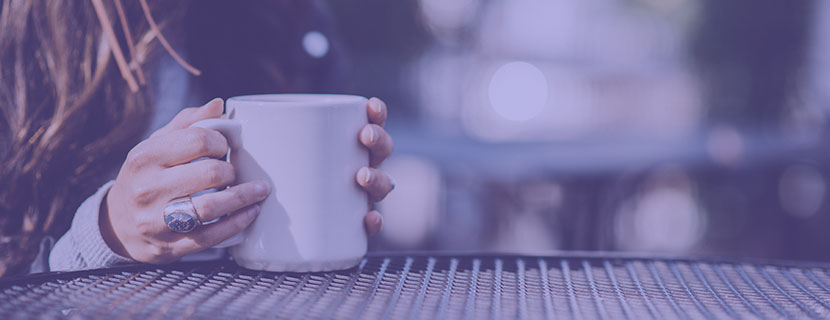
(463,255)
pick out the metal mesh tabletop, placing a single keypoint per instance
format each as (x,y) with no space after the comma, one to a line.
(433,287)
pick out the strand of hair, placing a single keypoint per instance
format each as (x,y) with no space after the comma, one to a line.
(119,7)
(164,43)
(106,26)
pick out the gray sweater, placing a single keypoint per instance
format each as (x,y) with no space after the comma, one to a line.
(82,247)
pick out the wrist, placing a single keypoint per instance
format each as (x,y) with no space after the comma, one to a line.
(108,230)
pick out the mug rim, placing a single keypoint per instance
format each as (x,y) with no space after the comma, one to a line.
(293,99)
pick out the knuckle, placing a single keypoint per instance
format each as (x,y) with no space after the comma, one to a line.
(238,196)
(200,140)
(240,224)
(242,197)
(203,208)
(159,252)
(218,173)
(152,250)
(145,228)
(143,194)
(138,157)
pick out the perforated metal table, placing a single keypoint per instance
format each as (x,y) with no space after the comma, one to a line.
(434,286)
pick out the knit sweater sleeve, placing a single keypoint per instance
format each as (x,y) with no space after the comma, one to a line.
(83,247)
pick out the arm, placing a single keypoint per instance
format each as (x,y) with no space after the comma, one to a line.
(83,247)
(134,220)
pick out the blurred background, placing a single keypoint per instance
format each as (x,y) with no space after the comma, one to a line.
(672,126)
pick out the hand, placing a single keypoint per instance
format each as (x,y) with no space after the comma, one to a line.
(158,170)
(376,183)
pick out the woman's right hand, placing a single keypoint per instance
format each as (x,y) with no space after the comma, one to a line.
(158,170)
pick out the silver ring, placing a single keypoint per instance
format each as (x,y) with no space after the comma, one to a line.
(180,215)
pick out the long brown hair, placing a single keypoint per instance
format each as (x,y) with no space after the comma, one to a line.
(66,115)
(72,105)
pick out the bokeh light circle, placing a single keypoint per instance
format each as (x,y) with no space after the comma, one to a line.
(518,91)
(315,44)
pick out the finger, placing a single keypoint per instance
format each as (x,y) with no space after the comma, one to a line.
(216,204)
(376,183)
(193,177)
(207,236)
(379,142)
(377,111)
(189,116)
(373,222)
(188,144)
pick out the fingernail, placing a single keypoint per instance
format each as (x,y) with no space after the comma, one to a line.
(260,189)
(377,219)
(375,105)
(253,211)
(364,175)
(368,135)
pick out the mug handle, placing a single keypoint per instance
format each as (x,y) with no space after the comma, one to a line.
(232,130)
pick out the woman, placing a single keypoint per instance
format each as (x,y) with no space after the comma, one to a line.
(79,81)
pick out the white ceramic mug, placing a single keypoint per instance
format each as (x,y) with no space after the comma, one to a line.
(306,147)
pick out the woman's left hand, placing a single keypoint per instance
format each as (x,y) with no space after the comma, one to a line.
(376,183)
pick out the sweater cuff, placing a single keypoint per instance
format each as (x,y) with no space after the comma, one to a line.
(85,234)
